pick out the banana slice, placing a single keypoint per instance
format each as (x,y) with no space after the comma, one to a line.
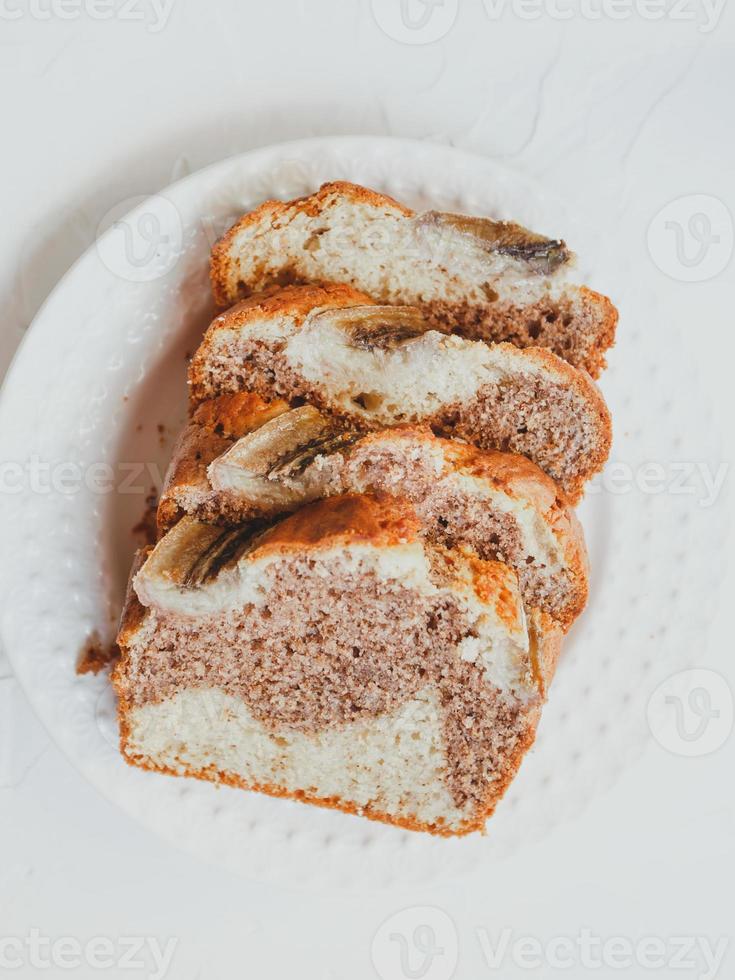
(379,327)
(279,451)
(540,254)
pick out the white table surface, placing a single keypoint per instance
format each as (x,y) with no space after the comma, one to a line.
(620,116)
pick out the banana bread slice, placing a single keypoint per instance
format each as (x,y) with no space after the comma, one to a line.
(499,504)
(336,657)
(484,279)
(378,366)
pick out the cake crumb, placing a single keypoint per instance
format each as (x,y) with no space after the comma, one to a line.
(96,655)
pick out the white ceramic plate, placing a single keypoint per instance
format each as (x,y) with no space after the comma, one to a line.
(104,366)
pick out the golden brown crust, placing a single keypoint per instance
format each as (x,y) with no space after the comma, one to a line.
(358,194)
(546,637)
(312,205)
(214,425)
(472,825)
(377,520)
(233,416)
(195,448)
(133,612)
(294,301)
